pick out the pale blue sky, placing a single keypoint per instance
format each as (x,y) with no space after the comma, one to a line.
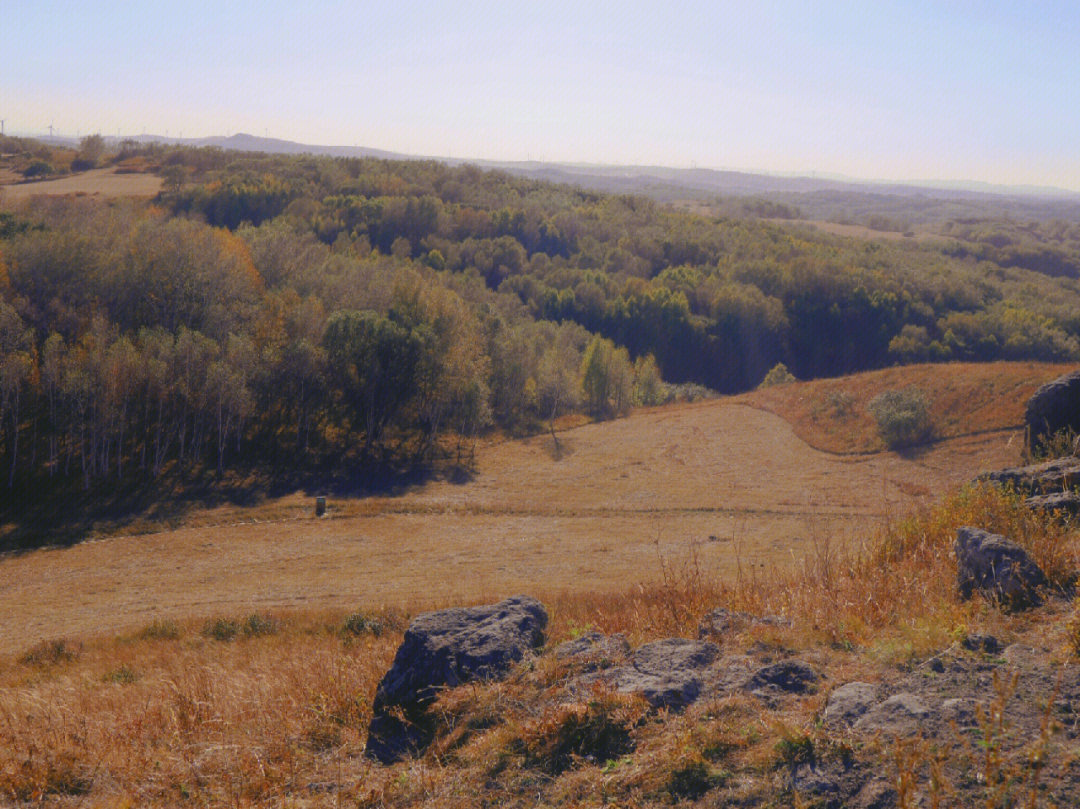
(953,89)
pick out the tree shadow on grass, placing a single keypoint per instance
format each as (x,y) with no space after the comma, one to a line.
(71,515)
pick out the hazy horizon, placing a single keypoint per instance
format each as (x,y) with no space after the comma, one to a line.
(921,92)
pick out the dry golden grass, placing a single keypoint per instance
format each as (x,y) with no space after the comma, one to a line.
(170,716)
(730,483)
(115,692)
(96,182)
(965,399)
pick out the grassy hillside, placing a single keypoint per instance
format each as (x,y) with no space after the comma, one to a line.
(261,708)
(964,399)
(233,661)
(732,485)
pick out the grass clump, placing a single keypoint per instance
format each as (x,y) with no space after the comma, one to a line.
(1060,444)
(902,416)
(51,653)
(597,731)
(161,629)
(124,675)
(794,749)
(360,624)
(221,629)
(692,779)
(254,626)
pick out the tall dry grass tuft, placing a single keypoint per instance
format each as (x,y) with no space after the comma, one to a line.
(212,723)
(907,578)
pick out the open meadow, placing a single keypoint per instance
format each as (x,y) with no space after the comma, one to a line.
(96,182)
(232,661)
(722,482)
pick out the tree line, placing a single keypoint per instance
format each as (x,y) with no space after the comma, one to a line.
(321,312)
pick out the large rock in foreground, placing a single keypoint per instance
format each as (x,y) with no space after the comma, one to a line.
(997,567)
(1054,406)
(441,650)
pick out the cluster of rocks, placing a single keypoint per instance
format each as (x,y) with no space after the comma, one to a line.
(456,646)
(451,647)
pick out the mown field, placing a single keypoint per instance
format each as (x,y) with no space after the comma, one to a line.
(723,482)
(96,182)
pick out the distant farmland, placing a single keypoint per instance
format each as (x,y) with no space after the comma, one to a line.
(98,182)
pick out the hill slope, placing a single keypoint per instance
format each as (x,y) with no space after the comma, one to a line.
(732,484)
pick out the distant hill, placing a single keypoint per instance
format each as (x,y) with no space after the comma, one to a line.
(881,205)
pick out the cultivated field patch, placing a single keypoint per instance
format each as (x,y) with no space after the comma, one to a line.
(97,182)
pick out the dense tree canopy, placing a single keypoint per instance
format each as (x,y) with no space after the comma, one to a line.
(314,311)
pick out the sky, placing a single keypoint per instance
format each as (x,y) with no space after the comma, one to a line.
(942,90)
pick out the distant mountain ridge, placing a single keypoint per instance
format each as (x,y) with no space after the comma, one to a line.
(713,181)
(819,197)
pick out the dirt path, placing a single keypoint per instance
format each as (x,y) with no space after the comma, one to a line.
(732,483)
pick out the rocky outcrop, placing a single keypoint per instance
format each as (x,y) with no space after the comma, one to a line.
(787,676)
(669,673)
(1054,406)
(1041,478)
(593,651)
(444,649)
(849,702)
(996,567)
(979,642)
(900,714)
(1065,503)
(722,622)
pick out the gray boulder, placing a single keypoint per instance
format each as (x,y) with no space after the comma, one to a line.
(593,651)
(901,714)
(1054,406)
(961,710)
(997,567)
(978,642)
(441,650)
(722,621)
(848,702)
(668,673)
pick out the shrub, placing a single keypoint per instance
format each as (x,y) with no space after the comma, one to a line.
(691,779)
(39,168)
(841,402)
(359,624)
(125,675)
(902,416)
(778,375)
(256,625)
(1057,445)
(222,629)
(50,653)
(598,731)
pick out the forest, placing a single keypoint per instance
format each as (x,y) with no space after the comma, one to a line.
(359,317)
